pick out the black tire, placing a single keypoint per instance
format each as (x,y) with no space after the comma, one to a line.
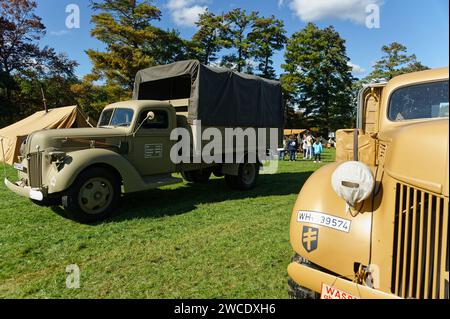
(217,171)
(93,196)
(246,178)
(198,176)
(296,291)
(187,176)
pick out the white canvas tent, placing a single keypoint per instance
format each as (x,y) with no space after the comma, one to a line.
(63,117)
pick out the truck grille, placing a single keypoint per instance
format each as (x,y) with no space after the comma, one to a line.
(35,169)
(420,252)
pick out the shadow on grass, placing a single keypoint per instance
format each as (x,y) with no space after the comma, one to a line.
(168,202)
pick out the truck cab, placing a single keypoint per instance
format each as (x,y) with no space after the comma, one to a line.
(379,226)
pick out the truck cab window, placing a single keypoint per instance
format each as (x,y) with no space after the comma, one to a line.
(105,118)
(116,117)
(122,117)
(423,101)
(161,120)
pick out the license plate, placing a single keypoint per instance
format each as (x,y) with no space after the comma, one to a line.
(329,292)
(18,166)
(324,220)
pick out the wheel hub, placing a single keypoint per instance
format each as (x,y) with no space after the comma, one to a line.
(248,173)
(95,195)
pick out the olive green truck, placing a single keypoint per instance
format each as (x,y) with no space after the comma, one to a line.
(134,146)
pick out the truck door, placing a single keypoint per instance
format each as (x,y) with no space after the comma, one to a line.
(152,144)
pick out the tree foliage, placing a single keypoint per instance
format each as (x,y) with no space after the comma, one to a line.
(25,66)
(132,41)
(318,78)
(266,37)
(238,25)
(394,62)
(210,37)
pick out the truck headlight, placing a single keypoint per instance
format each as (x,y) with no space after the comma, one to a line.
(57,156)
(353,182)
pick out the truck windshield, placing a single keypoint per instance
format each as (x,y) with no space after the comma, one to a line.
(422,101)
(116,117)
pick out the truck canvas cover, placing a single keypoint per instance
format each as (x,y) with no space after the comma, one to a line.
(217,96)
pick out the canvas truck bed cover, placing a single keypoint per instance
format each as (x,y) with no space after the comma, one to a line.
(217,96)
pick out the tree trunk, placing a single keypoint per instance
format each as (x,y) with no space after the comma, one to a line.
(266,66)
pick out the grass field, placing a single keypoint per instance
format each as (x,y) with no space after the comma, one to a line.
(183,241)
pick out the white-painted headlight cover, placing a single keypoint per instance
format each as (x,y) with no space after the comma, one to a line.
(353,182)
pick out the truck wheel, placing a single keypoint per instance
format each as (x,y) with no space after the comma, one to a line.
(187,176)
(296,291)
(246,179)
(217,171)
(93,196)
(199,176)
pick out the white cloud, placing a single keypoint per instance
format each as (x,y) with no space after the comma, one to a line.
(185,12)
(280,3)
(59,33)
(313,10)
(356,69)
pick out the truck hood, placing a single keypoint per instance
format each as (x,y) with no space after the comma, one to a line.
(71,138)
(417,154)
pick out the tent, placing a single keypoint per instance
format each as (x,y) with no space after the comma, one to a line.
(64,117)
(217,96)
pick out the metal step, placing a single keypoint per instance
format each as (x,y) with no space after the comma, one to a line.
(156,181)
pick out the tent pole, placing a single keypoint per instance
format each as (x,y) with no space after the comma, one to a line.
(43,99)
(3,157)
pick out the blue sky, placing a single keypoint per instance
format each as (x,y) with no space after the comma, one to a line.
(421,25)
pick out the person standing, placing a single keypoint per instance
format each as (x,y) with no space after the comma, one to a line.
(282,151)
(309,141)
(304,147)
(318,149)
(292,148)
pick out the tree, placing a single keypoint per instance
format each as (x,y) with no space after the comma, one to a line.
(209,39)
(267,36)
(395,62)
(92,98)
(237,26)
(132,42)
(318,77)
(24,66)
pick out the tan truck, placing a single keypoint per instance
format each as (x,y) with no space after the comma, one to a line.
(132,149)
(375,223)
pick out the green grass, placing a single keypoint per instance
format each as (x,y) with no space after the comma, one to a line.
(183,241)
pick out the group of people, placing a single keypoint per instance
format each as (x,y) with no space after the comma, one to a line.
(310,146)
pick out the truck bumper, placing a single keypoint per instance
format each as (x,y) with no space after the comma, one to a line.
(24,191)
(313,279)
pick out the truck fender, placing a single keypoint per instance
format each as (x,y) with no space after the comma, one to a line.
(329,246)
(78,161)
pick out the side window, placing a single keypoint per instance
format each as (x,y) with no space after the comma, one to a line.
(422,101)
(161,120)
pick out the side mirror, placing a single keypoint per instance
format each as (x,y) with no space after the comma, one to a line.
(150,116)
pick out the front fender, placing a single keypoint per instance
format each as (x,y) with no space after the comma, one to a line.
(77,161)
(336,250)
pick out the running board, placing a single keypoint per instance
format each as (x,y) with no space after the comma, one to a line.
(160,180)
